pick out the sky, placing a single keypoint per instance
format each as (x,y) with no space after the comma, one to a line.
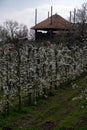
(23,11)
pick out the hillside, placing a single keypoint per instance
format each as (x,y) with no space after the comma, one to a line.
(67,109)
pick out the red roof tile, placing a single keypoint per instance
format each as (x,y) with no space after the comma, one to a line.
(58,23)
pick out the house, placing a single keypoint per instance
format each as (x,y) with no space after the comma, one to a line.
(51,26)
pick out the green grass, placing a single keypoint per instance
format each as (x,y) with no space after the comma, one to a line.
(58,110)
(13,116)
(26,129)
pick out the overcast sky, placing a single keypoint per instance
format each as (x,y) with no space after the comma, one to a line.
(23,11)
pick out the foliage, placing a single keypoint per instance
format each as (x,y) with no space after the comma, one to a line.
(31,71)
(79,23)
(12,32)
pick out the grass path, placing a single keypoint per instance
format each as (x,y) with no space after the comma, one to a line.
(58,111)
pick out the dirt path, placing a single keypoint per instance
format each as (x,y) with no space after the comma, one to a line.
(56,111)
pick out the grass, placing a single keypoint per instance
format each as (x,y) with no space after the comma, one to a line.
(59,111)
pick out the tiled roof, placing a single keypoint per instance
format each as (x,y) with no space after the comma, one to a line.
(58,22)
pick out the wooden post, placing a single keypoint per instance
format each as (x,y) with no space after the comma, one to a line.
(35,16)
(48,18)
(51,35)
(51,14)
(48,14)
(36,35)
(35,24)
(70,16)
(74,15)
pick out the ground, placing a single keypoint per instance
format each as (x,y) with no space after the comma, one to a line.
(66,109)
